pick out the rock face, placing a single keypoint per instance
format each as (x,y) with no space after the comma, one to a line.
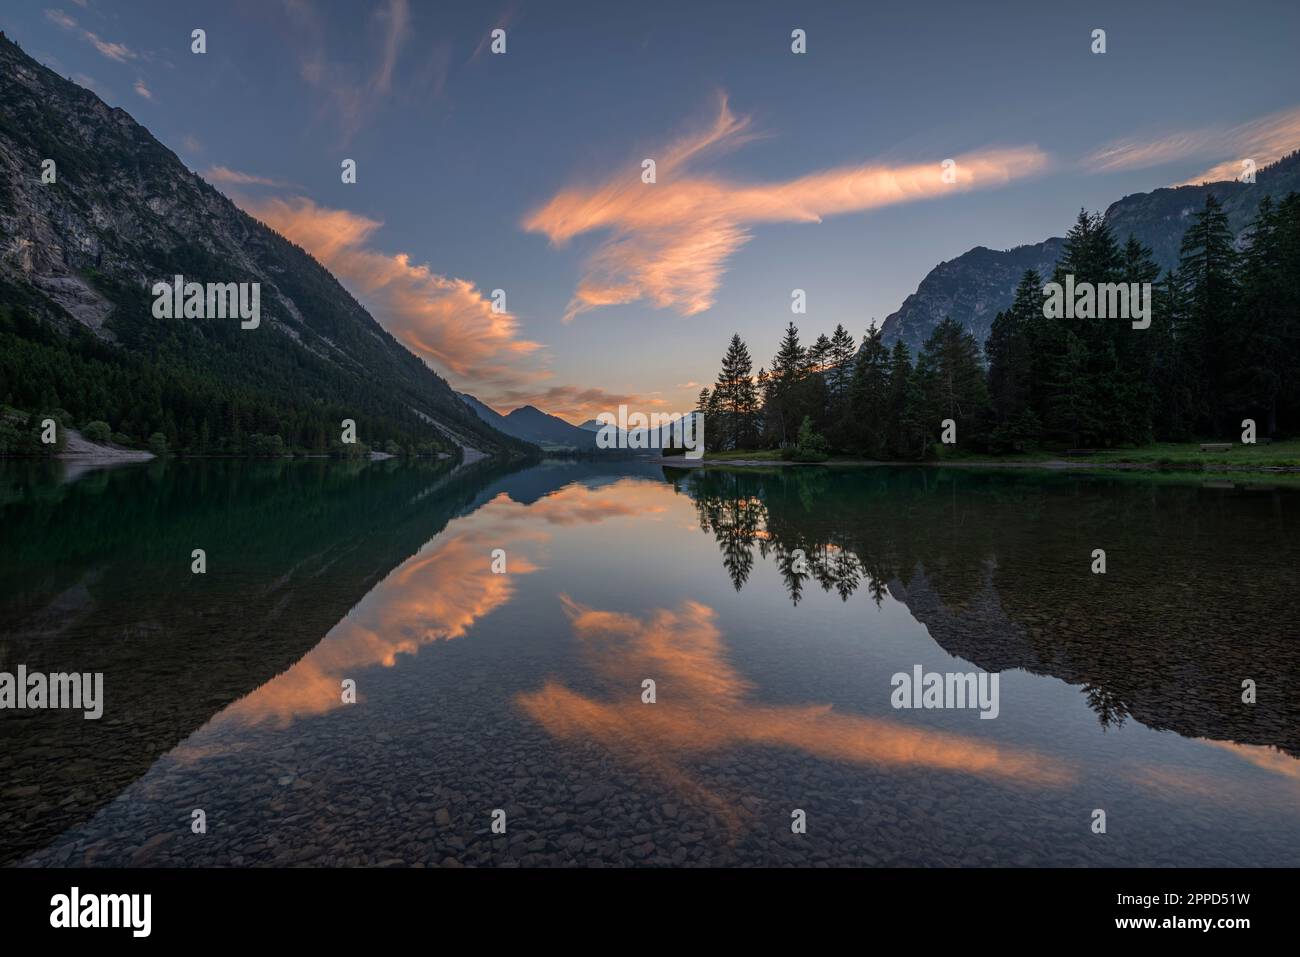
(123,212)
(976,285)
(971,288)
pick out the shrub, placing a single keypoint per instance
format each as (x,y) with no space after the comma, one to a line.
(97,432)
(810,446)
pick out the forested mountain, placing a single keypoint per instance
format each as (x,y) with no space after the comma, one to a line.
(977,285)
(78,338)
(1208,348)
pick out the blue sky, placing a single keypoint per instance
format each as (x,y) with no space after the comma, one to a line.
(479,171)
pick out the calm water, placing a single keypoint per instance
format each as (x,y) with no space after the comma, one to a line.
(770,609)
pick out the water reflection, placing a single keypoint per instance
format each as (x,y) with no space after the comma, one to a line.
(770,609)
(95,577)
(436,595)
(704,705)
(1198,596)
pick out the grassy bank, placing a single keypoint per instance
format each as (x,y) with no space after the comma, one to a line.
(1160,455)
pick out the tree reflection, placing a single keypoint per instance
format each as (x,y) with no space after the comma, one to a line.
(997,565)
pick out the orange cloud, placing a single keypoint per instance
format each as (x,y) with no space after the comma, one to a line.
(1225,787)
(119,52)
(670,241)
(439,594)
(1265,757)
(446,321)
(704,705)
(572,402)
(1264,140)
(579,505)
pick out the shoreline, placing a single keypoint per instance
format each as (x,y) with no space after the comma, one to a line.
(82,451)
(1055,465)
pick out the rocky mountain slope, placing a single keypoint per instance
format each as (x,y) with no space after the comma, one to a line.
(78,258)
(976,285)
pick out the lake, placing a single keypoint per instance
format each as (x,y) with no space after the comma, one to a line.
(504,632)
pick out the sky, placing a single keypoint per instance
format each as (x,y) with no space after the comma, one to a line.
(522,171)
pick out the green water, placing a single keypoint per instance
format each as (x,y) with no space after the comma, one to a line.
(770,609)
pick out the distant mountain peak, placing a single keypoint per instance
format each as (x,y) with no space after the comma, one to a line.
(531,424)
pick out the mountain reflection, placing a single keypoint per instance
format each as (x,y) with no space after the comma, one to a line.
(997,567)
(95,577)
(438,594)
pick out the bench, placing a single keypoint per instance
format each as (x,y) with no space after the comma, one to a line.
(1216,446)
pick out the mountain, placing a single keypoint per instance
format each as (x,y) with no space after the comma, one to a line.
(534,425)
(531,424)
(78,260)
(485,412)
(971,288)
(978,284)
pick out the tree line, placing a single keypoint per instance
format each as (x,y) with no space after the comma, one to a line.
(1223,345)
(260,402)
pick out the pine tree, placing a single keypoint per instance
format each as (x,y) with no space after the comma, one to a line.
(1135,351)
(1206,274)
(782,407)
(736,397)
(819,355)
(702,403)
(952,382)
(1261,356)
(900,394)
(841,364)
(1083,359)
(866,423)
(1009,351)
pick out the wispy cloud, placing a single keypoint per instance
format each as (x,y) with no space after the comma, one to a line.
(351,97)
(142,90)
(233,177)
(1263,140)
(669,242)
(446,321)
(59,18)
(114,51)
